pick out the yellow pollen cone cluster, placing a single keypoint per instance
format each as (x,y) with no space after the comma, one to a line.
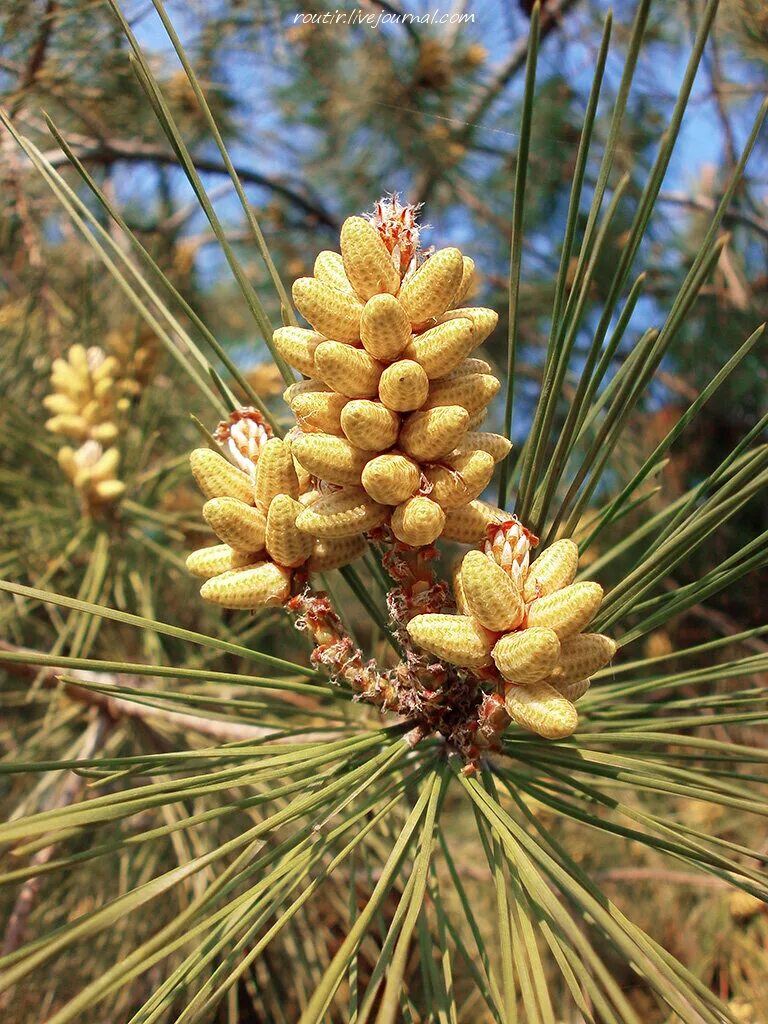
(253,508)
(87,402)
(527,621)
(394,396)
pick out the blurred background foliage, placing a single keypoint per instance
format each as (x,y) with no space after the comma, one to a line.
(320,119)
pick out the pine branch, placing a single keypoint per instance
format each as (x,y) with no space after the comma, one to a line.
(111,151)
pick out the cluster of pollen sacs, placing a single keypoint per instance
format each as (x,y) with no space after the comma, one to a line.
(388,415)
(521,623)
(253,505)
(387,447)
(88,401)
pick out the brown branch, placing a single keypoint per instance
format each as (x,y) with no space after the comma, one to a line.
(551,18)
(117,708)
(68,793)
(36,54)
(705,204)
(111,151)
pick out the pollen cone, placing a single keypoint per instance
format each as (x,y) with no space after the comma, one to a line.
(333,313)
(433,434)
(235,523)
(257,586)
(440,349)
(432,288)
(460,478)
(330,458)
(541,709)
(350,371)
(418,521)
(554,569)
(275,473)
(218,478)
(369,425)
(342,514)
(580,656)
(527,656)
(384,327)
(367,263)
(285,542)
(332,554)
(490,593)
(391,478)
(567,611)
(214,560)
(404,386)
(457,639)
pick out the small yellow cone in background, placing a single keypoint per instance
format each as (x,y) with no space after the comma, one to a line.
(285,543)
(342,514)
(467,277)
(333,554)
(369,425)
(490,593)
(258,586)
(527,656)
(74,426)
(460,479)
(454,638)
(212,561)
(218,478)
(404,386)
(433,434)
(109,490)
(275,473)
(418,521)
(329,268)
(385,329)
(65,378)
(581,656)
(440,349)
(350,371)
(467,525)
(330,458)
(106,466)
(104,433)
(391,478)
(78,357)
(567,611)
(572,691)
(235,523)
(67,461)
(305,387)
(367,261)
(485,320)
(297,346)
(332,313)
(319,411)
(554,569)
(497,446)
(472,392)
(541,709)
(61,405)
(466,366)
(431,289)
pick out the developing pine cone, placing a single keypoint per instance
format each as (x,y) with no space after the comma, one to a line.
(389,412)
(87,403)
(526,620)
(252,507)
